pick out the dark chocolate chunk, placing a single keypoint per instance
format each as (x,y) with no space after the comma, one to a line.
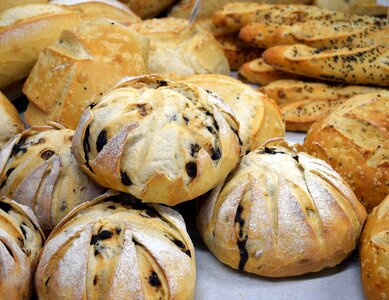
(101,140)
(47,154)
(154,280)
(125,179)
(191,169)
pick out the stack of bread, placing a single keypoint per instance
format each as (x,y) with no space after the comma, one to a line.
(126,117)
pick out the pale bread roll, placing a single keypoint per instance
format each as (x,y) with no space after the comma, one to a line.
(10,121)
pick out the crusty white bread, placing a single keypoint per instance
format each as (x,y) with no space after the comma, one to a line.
(5,4)
(95,9)
(24,32)
(259,72)
(365,65)
(10,121)
(317,34)
(303,103)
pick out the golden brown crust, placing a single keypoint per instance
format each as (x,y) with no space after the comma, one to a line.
(258,72)
(24,32)
(74,69)
(163,142)
(374,253)
(353,66)
(115,247)
(354,140)
(96,9)
(6,4)
(259,117)
(10,121)
(21,239)
(317,34)
(148,8)
(303,103)
(281,213)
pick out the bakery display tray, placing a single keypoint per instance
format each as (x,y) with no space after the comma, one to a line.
(218,281)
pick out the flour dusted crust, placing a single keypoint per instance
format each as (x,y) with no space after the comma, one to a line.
(95,9)
(354,140)
(357,65)
(374,252)
(86,60)
(259,117)
(281,213)
(148,8)
(20,242)
(10,122)
(117,248)
(302,103)
(323,33)
(37,169)
(195,50)
(259,72)
(24,31)
(161,141)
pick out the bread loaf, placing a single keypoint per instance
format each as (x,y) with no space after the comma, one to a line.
(21,241)
(259,117)
(5,4)
(317,34)
(148,8)
(95,9)
(374,252)
(354,140)
(258,72)
(364,65)
(281,213)
(24,32)
(195,50)
(161,141)
(10,121)
(117,248)
(38,170)
(303,103)
(87,60)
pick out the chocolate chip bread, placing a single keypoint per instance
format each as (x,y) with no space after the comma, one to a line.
(37,169)
(161,141)
(281,213)
(10,121)
(117,248)
(21,239)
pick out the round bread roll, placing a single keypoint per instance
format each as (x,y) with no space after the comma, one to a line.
(161,141)
(259,117)
(354,140)
(10,121)
(115,248)
(87,60)
(37,169)
(195,50)
(374,252)
(20,241)
(281,213)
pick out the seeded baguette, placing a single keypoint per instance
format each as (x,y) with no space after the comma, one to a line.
(317,34)
(258,72)
(367,65)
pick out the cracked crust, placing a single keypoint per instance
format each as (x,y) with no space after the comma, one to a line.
(115,247)
(281,213)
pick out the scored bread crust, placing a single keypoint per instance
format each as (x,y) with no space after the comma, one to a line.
(21,240)
(74,69)
(354,140)
(194,49)
(349,65)
(38,170)
(374,253)
(281,213)
(24,32)
(10,121)
(116,248)
(258,72)
(317,34)
(95,9)
(259,117)
(303,103)
(161,141)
